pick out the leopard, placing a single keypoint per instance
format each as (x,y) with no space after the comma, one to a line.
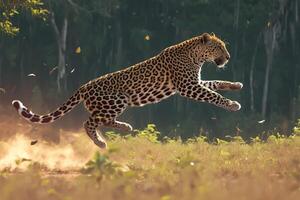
(175,70)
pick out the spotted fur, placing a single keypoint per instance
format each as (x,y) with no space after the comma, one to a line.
(175,70)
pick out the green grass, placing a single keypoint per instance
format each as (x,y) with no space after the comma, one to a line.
(141,167)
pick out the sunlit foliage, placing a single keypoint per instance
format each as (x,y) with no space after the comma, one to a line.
(9,9)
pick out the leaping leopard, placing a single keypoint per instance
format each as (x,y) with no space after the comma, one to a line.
(175,70)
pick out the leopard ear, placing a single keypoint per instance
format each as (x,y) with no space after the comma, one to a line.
(205,38)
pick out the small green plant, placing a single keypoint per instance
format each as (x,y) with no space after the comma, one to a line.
(102,167)
(296,130)
(111,135)
(237,139)
(277,138)
(220,141)
(150,133)
(256,139)
(198,139)
(168,140)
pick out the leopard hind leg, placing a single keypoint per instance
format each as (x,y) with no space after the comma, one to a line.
(94,123)
(122,126)
(105,116)
(91,128)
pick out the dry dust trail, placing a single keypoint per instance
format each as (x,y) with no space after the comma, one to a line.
(67,157)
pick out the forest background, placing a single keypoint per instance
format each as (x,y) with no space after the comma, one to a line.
(49,48)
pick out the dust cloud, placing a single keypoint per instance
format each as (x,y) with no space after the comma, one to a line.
(71,153)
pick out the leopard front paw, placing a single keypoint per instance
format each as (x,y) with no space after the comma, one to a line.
(236,86)
(234,106)
(230,86)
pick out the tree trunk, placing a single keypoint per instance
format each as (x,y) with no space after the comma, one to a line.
(236,44)
(252,108)
(119,46)
(1,60)
(296,11)
(266,86)
(1,72)
(61,39)
(20,63)
(270,40)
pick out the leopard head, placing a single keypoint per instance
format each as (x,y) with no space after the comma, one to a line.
(210,48)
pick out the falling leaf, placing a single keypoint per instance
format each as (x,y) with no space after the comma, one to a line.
(31,75)
(33,142)
(261,121)
(269,24)
(78,50)
(213,118)
(52,70)
(72,70)
(238,129)
(147,37)
(25,159)
(2,90)
(19,161)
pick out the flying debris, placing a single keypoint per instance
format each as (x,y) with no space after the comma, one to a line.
(31,75)
(261,121)
(25,159)
(33,142)
(213,118)
(238,131)
(147,37)
(78,50)
(72,70)
(21,160)
(2,90)
(52,70)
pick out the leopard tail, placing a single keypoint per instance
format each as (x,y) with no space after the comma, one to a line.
(24,112)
